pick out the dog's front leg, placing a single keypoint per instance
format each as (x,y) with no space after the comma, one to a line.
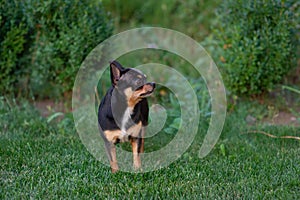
(112,156)
(111,138)
(136,153)
(141,140)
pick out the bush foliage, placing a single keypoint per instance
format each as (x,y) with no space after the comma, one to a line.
(257,40)
(42,43)
(192,17)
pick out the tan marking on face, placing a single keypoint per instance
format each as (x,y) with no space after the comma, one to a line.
(132,97)
(136,96)
(128,92)
(139,76)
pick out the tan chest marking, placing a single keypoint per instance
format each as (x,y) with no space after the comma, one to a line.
(134,131)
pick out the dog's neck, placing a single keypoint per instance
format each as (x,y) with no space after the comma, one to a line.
(122,111)
(126,118)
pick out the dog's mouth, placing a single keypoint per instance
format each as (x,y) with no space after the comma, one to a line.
(146,90)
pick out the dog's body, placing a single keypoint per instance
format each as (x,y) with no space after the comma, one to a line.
(123,112)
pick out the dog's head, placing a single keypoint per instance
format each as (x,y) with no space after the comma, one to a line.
(131,83)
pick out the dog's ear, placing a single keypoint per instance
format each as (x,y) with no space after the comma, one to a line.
(116,70)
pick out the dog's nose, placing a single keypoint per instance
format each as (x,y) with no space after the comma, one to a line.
(153,84)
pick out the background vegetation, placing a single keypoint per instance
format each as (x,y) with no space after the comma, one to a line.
(256,46)
(44,42)
(258,43)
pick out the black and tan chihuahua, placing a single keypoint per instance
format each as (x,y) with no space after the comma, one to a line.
(123,112)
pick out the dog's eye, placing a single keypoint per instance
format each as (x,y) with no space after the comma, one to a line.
(139,82)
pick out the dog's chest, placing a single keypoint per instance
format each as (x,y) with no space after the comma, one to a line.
(129,127)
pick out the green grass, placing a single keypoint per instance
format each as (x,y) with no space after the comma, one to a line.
(39,160)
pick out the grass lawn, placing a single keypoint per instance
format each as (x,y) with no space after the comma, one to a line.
(44,160)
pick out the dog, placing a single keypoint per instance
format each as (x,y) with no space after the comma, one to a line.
(123,112)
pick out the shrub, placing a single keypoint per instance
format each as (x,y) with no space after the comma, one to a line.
(12,43)
(44,42)
(257,40)
(192,17)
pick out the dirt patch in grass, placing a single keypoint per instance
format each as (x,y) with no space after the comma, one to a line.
(283,118)
(48,107)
